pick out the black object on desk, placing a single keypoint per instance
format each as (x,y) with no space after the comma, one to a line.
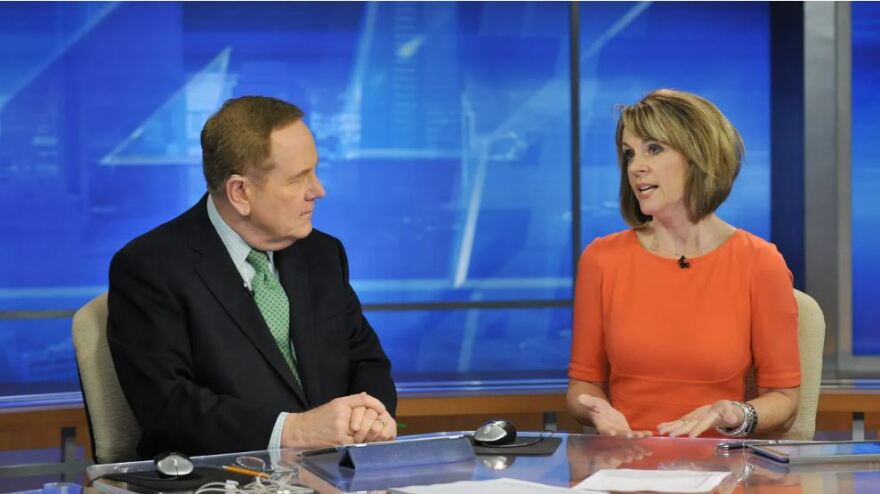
(544,447)
(153,481)
(495,432)
(763,463)
(172,464)
(820,451)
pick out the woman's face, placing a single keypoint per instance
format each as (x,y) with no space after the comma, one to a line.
(657,175)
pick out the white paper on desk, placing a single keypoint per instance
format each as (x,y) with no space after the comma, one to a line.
(494,486)
(627,480)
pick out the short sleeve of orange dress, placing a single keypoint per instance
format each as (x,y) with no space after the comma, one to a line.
(668,340)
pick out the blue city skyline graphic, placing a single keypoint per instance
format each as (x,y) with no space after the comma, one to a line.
(443,131)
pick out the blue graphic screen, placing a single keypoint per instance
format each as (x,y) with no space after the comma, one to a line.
(445,144)
(719,50)
(865,177)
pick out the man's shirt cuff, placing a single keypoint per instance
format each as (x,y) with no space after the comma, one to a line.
(275,439)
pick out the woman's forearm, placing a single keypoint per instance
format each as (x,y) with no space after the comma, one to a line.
(776,409)
(577,388)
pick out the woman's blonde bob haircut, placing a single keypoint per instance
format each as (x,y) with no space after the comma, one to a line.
(694,127)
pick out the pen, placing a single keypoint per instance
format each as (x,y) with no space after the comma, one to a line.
(733,445)
(404,440)
(321,451)
(333,449)
(245,471)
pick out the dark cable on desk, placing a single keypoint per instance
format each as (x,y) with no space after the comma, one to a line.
(537,440)
(92,481)
(104,475)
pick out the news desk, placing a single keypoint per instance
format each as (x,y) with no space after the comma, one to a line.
(577,457)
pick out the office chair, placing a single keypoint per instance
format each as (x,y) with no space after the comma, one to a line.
(811,341)
(113,428)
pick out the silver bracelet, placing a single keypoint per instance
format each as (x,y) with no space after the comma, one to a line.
(748,424)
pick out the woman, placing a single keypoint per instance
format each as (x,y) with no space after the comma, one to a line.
(671,315)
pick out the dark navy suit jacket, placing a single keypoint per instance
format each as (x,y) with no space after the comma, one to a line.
(195,358)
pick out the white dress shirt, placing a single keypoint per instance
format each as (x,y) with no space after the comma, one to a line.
(238,250)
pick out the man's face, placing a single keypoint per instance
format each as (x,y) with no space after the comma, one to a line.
(283,199)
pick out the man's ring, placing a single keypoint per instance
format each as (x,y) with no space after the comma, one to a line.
(684,421)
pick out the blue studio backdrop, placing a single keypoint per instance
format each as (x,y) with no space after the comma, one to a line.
(444,131)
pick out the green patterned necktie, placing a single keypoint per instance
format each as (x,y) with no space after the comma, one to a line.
(273,304)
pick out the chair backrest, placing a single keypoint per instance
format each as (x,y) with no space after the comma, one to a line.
(114,429)
(811,341)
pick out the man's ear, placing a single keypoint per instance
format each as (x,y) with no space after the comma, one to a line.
(237,194)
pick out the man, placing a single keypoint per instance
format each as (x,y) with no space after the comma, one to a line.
(233,327)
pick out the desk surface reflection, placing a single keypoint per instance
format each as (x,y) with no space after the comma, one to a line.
(578,457)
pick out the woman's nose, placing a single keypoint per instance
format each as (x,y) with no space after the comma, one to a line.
(636,166)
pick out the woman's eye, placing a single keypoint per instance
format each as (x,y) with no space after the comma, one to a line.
(655,148)
(627,155)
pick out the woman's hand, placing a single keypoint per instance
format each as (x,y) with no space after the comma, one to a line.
(607,419)
(724,413)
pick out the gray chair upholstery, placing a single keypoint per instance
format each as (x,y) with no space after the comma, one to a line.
(114,429)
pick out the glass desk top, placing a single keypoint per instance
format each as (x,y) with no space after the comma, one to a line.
(577,457)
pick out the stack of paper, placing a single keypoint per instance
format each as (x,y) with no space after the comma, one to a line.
(494,486)
(626,480)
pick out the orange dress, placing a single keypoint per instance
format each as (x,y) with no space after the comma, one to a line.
(668,340)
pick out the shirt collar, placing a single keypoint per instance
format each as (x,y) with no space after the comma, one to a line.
(237,248)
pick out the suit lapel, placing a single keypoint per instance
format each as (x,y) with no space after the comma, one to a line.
(219,274)
(294,274)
